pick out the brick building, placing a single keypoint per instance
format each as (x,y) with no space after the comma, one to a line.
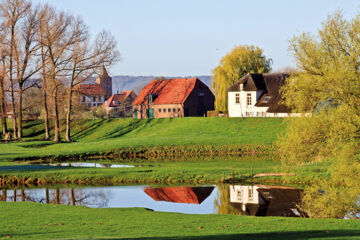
(170,98)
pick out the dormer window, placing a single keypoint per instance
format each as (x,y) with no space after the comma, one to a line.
(248,99)
(151,98)
(266,99)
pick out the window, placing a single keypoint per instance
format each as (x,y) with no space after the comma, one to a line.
(251,194)
(173,109)
(266,99)
(94,99)
(237,98)
(159,110)
(150,99)
(248,99)
(83,99)
(201,94)
(178,109)
(169,109)
(239,195)
(164,110)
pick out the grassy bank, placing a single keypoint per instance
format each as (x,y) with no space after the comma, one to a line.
(193,170)
(37,221)
(120,137)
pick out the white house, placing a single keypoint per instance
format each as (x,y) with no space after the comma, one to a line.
(258,95)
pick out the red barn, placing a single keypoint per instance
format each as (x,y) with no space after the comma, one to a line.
(170,98)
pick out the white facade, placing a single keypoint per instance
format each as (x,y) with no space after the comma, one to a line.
(242,104)
(92,101)
(245,195)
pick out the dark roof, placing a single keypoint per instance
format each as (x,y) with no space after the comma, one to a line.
(91,90)
(169,91)
(194,195)
(270,84)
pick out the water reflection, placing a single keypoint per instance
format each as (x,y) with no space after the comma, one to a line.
(266,200)
(86,164)
(257,200)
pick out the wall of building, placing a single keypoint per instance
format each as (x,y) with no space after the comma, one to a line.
(89,100)
(176,110)
(245,194)
(242,109)
(199,102)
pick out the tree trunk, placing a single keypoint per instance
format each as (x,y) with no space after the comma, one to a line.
(47,195)
(15,195)
(57,197)
(20,112)
(13,108)
(46,115)
(68,115)
(73,200)
(56,118)
(2,106)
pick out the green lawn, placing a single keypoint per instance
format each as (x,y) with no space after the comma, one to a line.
(40,221)
(95,137)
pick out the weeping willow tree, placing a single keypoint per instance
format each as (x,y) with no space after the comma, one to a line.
(327,85)
(234,65)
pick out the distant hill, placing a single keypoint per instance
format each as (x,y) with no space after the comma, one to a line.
(136,83)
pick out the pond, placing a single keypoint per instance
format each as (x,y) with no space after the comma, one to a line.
(87,164)
(255,200)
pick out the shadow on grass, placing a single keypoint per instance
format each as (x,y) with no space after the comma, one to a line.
(336,234)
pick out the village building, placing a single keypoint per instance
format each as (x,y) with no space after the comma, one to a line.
(258,95)
(93,95)
(173,98)
(120,104)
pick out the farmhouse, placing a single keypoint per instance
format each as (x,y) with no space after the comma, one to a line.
(258,95)
(180,97)
(93,95)
(120,104)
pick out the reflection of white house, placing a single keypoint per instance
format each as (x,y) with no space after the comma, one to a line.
(266,200)
(245,195)
(258,95)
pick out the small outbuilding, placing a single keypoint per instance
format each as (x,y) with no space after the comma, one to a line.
(173,98)
(120,104)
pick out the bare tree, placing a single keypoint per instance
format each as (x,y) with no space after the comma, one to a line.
(59,34)
(3,55)
(86,60)
(12,13)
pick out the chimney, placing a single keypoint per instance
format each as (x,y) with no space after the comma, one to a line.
(241,87)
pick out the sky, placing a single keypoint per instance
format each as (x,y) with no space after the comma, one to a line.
(189,37)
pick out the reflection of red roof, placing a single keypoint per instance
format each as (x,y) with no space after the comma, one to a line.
(172,91)
(195,195)
(91,89)
(120,97)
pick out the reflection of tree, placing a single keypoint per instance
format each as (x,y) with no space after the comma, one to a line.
(222,201)
(67,196)
(330,201)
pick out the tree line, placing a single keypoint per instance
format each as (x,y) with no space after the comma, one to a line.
(52,50)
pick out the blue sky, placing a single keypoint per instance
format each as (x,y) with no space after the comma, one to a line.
(189,37)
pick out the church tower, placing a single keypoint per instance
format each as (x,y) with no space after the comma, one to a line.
(105,82)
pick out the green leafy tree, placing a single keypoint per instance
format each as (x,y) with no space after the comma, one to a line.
(328,80)
(234,65)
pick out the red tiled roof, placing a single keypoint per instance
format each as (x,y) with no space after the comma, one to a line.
(120,97)
(171,91)
(194,195)
(91,89)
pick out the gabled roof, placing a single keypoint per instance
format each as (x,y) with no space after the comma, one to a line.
(91,90)
(169,91)
(194,195)
(270,84)
(119,97)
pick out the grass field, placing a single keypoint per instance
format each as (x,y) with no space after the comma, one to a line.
(96,137)
(39,221)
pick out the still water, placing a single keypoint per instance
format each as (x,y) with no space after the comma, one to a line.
(89,165)
(255,200)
